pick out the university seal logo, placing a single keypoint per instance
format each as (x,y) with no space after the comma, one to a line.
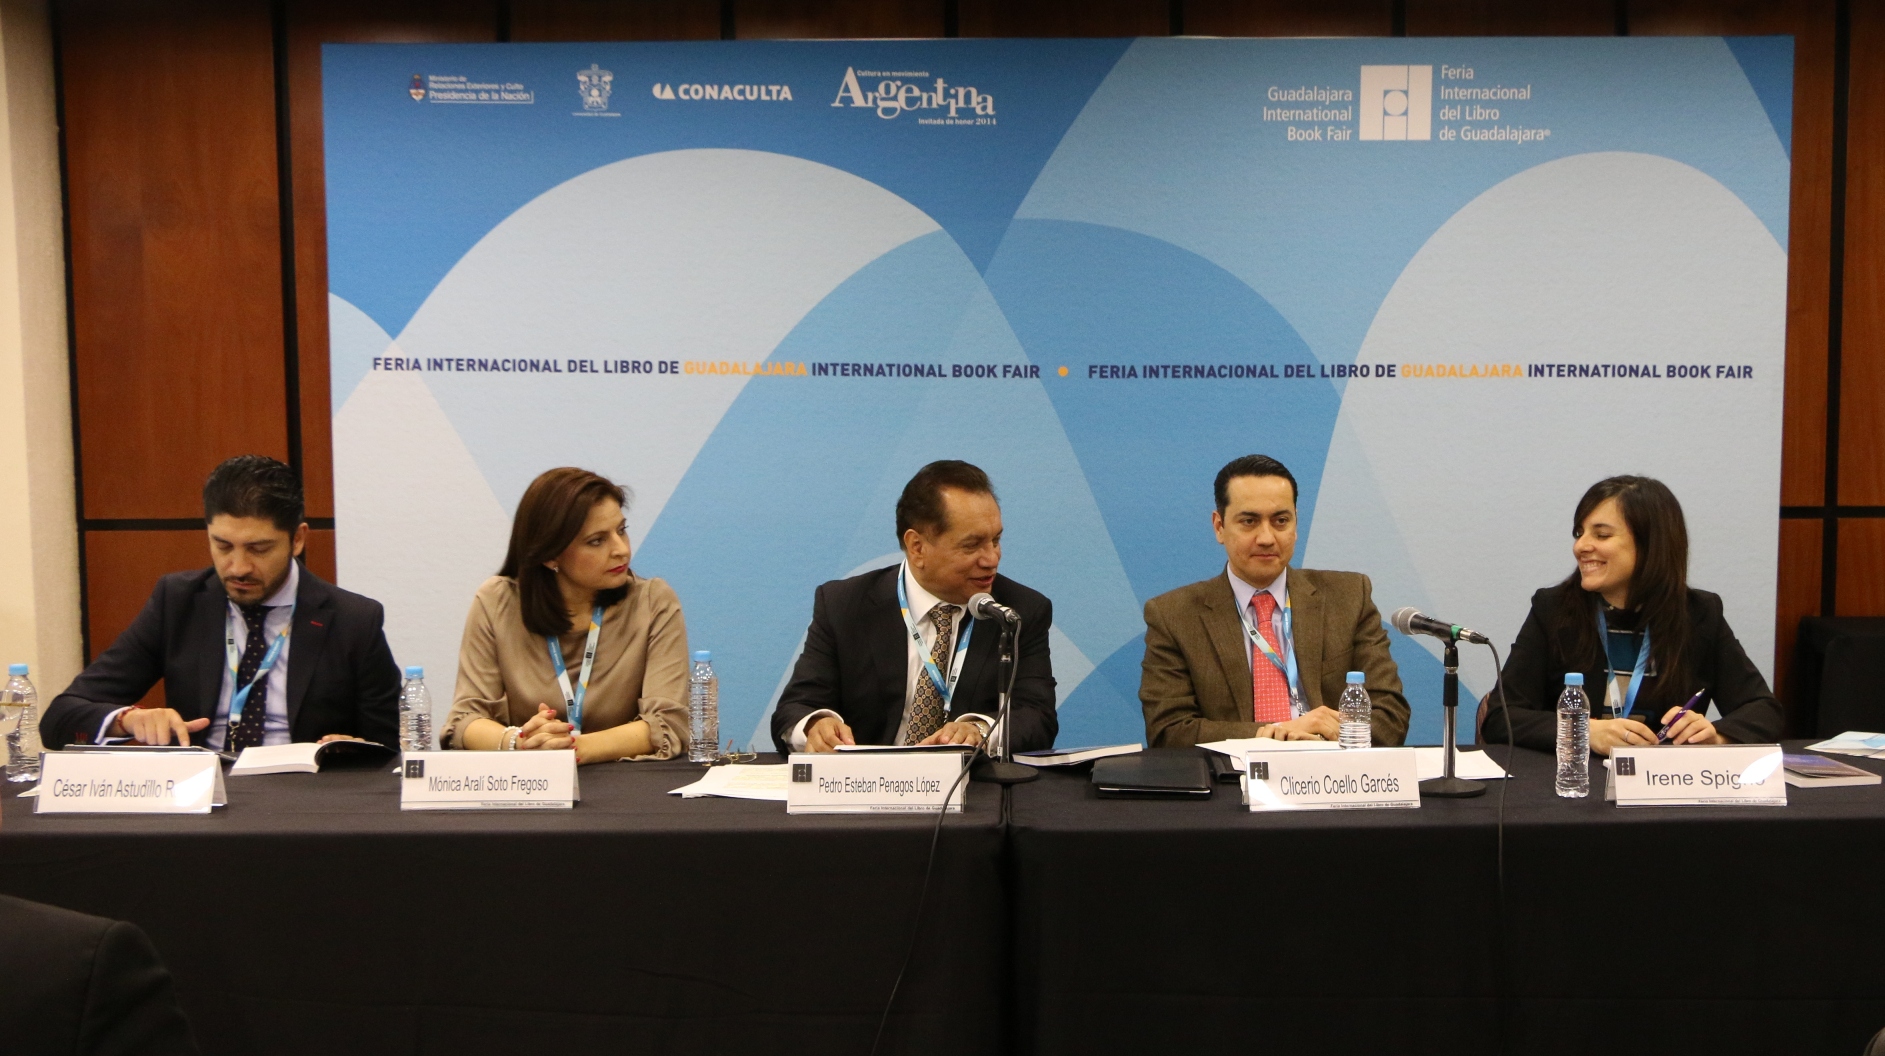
(594,85)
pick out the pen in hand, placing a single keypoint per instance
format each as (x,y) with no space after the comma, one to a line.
(1662,735)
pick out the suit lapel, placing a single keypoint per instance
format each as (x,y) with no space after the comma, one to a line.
(1225,629)
(889,655)
(209,625)
(1305,603)
(314,613)
(976,687)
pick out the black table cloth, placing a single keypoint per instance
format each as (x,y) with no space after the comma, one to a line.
(1197,926)
(312,916)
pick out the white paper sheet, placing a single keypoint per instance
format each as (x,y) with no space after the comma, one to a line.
(1468,763)
(1237,746)
(740,781)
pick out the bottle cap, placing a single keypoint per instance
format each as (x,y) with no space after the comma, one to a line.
(16,669)
(702,656)
(1574,678)
(1356,678)
(415,671)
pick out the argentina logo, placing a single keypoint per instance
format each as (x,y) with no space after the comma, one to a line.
(891,95)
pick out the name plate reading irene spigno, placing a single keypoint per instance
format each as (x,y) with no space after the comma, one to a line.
(488,780)
(1698,775)
(1352,778)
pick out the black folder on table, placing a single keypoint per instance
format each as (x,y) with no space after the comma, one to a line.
(1175,774)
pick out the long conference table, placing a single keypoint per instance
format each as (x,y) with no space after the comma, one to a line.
(311,915)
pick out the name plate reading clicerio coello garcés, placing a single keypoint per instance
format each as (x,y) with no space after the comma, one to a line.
(1347,778)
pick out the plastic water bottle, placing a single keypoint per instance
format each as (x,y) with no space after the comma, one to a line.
(415,713)
(1573,738)
(1357,712)
(19,715)
(703,709)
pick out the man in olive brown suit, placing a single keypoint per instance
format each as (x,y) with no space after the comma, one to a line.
(1261,649)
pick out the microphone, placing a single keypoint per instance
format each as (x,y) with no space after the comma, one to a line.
(1412,621)
(984,607)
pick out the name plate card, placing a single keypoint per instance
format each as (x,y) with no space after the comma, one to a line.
(1351,778)
(135,781)
(1697,775)
(488,781)
(875,783)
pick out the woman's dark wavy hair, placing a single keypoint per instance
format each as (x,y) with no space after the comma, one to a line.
(1659,588)
(549,517)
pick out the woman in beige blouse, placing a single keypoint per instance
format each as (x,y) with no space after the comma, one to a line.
(568,561)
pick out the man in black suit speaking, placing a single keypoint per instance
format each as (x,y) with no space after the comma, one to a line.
(892,656)
(253,650)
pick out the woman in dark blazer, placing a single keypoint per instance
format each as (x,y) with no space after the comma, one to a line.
(1630,594)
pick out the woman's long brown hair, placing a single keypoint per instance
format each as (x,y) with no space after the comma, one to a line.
(549,517)
(1659,588)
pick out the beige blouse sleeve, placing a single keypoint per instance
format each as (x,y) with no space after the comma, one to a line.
(663,702)
(479,693)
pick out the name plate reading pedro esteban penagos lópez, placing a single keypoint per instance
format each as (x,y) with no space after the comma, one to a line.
(876,782)
(488,780)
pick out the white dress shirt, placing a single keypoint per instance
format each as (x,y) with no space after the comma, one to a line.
(1279,589)
(921,602)
(275,714)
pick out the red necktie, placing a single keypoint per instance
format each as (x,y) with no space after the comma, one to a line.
(1268,687)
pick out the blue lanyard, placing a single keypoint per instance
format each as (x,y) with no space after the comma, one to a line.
(241,695)
(1285,663)
(946,687)
(573,698)
(1636,676)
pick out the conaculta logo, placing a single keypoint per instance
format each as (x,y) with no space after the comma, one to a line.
(893,95)
(1396,102)
(738,93)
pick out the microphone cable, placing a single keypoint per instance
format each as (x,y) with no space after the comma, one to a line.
(1501,994)
(929,866)
(922,895)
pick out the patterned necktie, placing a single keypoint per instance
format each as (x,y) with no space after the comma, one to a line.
(926,714)
(248,732)
(1269,689)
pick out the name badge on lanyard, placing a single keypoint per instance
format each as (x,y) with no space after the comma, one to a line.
(241,696)
(1612,695)
(573,698)
(1285,663)
(946,687)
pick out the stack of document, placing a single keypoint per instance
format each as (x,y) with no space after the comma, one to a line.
(1866,745)
(740,781)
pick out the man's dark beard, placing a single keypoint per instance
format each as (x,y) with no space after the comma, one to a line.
(269,589)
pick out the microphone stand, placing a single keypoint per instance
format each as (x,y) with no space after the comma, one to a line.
(1448,786)
(1004,771)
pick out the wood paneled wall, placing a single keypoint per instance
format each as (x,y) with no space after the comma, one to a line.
(198,252)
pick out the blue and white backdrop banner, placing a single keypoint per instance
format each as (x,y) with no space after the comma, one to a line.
(1450,283)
